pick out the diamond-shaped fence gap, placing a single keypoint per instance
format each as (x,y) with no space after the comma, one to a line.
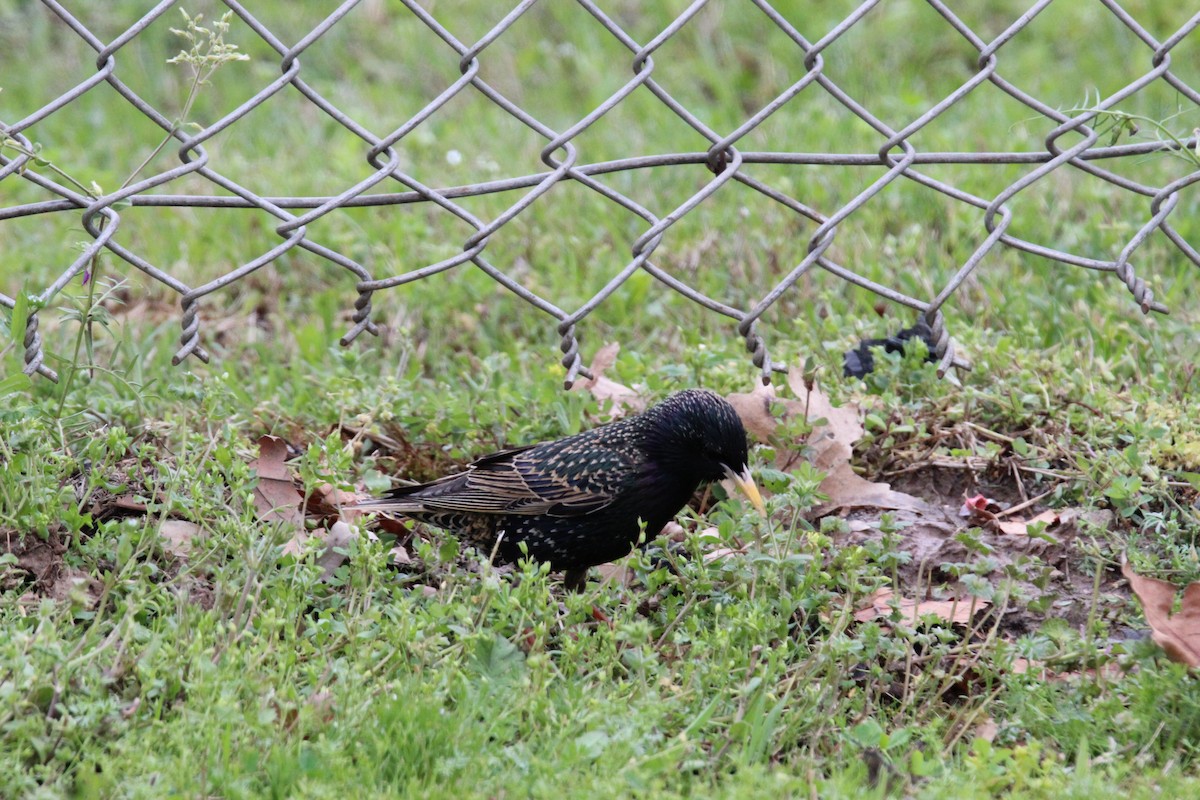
(925,238)
(1072,211)
(1083,69)
(141,64)
(574,243)
(556,63)
(194,245)
(482,311)
(997,123)
(286,146)
(745,62)
(447,153)
(736,242)
(938,62)
(39,32)
(414,74)
(106,113)
(37,245)
(112,120)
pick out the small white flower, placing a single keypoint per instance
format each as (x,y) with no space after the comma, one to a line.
(454,158)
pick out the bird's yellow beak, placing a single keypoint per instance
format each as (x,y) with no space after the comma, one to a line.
(744,482)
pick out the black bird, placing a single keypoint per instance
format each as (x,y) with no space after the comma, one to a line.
(582,500)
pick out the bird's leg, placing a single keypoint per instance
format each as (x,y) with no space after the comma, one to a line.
(575,579)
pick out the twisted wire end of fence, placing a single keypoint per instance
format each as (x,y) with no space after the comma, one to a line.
(189,339)
(34,355)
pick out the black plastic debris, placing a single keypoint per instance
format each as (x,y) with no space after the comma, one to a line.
(859,362)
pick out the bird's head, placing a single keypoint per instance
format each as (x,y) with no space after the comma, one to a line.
(700,434)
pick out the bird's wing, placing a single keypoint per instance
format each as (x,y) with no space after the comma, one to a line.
(518,482)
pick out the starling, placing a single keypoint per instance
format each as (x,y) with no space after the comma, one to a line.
(581,501)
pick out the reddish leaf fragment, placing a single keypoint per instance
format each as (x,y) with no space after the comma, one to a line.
(979,506)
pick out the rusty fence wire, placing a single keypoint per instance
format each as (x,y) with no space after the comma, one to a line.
(1075,143)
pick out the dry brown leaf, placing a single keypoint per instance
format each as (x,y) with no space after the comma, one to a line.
(128,502)
(674,532)
(399,556)
(295,545)
(1016,527)
(987,729)
(846,489)
(615,572)
(619,396)
(338,536)
(832,443)
(1177,634)
(328,500)
(723,552)
(275,497)
(1021,666)
(177,536)
(954,611)
(755,409)
(76,586)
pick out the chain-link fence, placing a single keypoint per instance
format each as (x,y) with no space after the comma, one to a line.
(1076,142)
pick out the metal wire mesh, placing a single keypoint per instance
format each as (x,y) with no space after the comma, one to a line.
(896,154)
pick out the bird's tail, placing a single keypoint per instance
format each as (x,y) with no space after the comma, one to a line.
(387,504)
(396,501)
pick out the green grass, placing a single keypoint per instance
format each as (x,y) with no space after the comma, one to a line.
(238,672)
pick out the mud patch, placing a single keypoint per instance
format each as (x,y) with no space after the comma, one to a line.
(1035,575)
(39,571)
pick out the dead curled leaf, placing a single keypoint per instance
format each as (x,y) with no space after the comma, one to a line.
(619,397)
(755,409)
(177,535)
(831,444)
(986,512)
(1016,527)
(957,611)
(986,729)
(337,537)
(275,496)
(1177,634)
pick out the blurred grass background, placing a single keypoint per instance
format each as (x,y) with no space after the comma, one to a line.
(380,65)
